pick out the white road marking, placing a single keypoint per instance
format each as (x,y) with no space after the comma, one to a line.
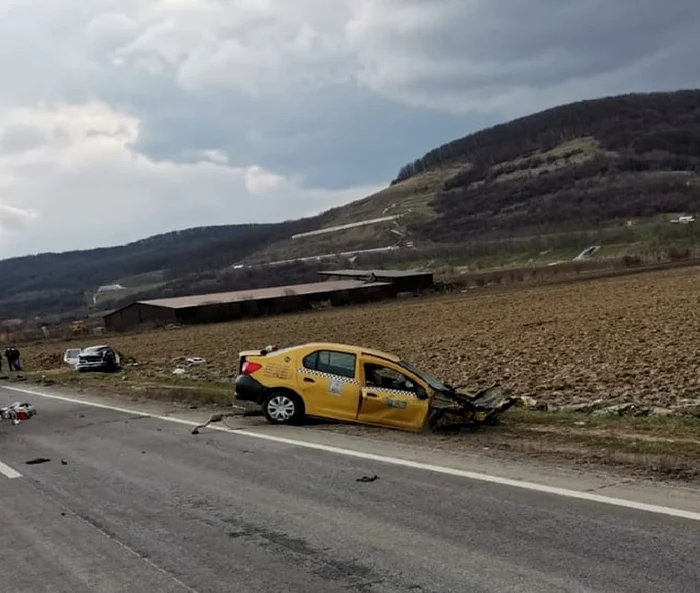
(543,488)
(8,472)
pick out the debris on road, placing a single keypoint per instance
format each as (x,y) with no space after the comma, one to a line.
(214,418)
(17,412)
(37,461)
(367,479)
(64,462)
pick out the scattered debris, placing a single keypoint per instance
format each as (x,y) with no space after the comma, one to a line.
(240,411)
(527,402)
(37,461)
(618,409)
(17,412)
(367,479)
(587,253)
(192,361)
(584,407)
(615,407)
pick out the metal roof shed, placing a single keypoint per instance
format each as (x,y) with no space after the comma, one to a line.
(404,280)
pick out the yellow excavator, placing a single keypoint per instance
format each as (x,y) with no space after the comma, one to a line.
(79,328)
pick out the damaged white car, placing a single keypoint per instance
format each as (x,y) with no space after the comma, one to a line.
(96,359)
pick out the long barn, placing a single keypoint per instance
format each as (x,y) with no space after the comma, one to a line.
(229,306)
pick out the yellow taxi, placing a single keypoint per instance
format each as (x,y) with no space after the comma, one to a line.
(355,384)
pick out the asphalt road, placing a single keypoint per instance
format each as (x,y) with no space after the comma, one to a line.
(142,505)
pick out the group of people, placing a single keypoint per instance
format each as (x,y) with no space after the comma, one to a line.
(13,359)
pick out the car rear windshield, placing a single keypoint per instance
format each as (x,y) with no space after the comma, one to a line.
(432,381)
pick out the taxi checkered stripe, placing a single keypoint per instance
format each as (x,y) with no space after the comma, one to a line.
(394,391)
(383,390)
(328,376)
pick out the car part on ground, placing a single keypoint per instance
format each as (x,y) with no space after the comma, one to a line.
(17,412)
(214,418)
(360,385)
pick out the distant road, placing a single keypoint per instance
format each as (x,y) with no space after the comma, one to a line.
(142,505)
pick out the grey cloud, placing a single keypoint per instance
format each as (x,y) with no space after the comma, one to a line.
(13,219)
(381,83)
(477,55)
(332,139)
(20,138)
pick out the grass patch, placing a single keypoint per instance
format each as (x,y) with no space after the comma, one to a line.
(667,446)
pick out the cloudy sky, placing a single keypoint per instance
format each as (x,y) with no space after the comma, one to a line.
(124,118)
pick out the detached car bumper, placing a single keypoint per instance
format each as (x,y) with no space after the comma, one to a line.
(248,389)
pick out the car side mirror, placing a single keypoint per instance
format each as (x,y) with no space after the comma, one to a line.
(421,393)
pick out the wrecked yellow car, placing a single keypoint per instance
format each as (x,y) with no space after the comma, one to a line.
(355,384)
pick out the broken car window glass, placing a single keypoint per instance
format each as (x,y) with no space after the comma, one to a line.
(386,378)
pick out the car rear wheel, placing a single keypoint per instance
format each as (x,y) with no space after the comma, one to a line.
(283,408)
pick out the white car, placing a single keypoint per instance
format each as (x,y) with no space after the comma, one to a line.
(101,358)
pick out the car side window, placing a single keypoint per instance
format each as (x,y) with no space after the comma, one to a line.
(386,378)
(332,362)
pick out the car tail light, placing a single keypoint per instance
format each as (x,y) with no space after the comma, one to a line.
(250,367)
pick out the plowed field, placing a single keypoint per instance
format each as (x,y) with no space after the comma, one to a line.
(636,338)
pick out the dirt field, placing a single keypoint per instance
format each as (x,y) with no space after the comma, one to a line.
(635,338)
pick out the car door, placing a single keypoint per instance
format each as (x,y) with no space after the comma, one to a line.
(329,384)
(70,356)
(391,396)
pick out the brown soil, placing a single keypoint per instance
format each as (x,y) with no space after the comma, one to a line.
(632,338)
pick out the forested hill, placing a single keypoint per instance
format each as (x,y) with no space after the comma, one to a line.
(575,167)
(639,123)
(567,168)
(52,283)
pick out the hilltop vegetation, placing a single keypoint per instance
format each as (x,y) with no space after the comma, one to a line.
(571,167)
(566,173)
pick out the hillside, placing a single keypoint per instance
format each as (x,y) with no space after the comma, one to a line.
(574,167)
(54,283)
(586,166)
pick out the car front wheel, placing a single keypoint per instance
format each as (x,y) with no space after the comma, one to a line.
(283,408)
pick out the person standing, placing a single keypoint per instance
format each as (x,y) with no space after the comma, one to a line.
(12,355)
(15,359)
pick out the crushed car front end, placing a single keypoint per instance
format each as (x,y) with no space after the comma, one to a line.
(98,359)
(448,408)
